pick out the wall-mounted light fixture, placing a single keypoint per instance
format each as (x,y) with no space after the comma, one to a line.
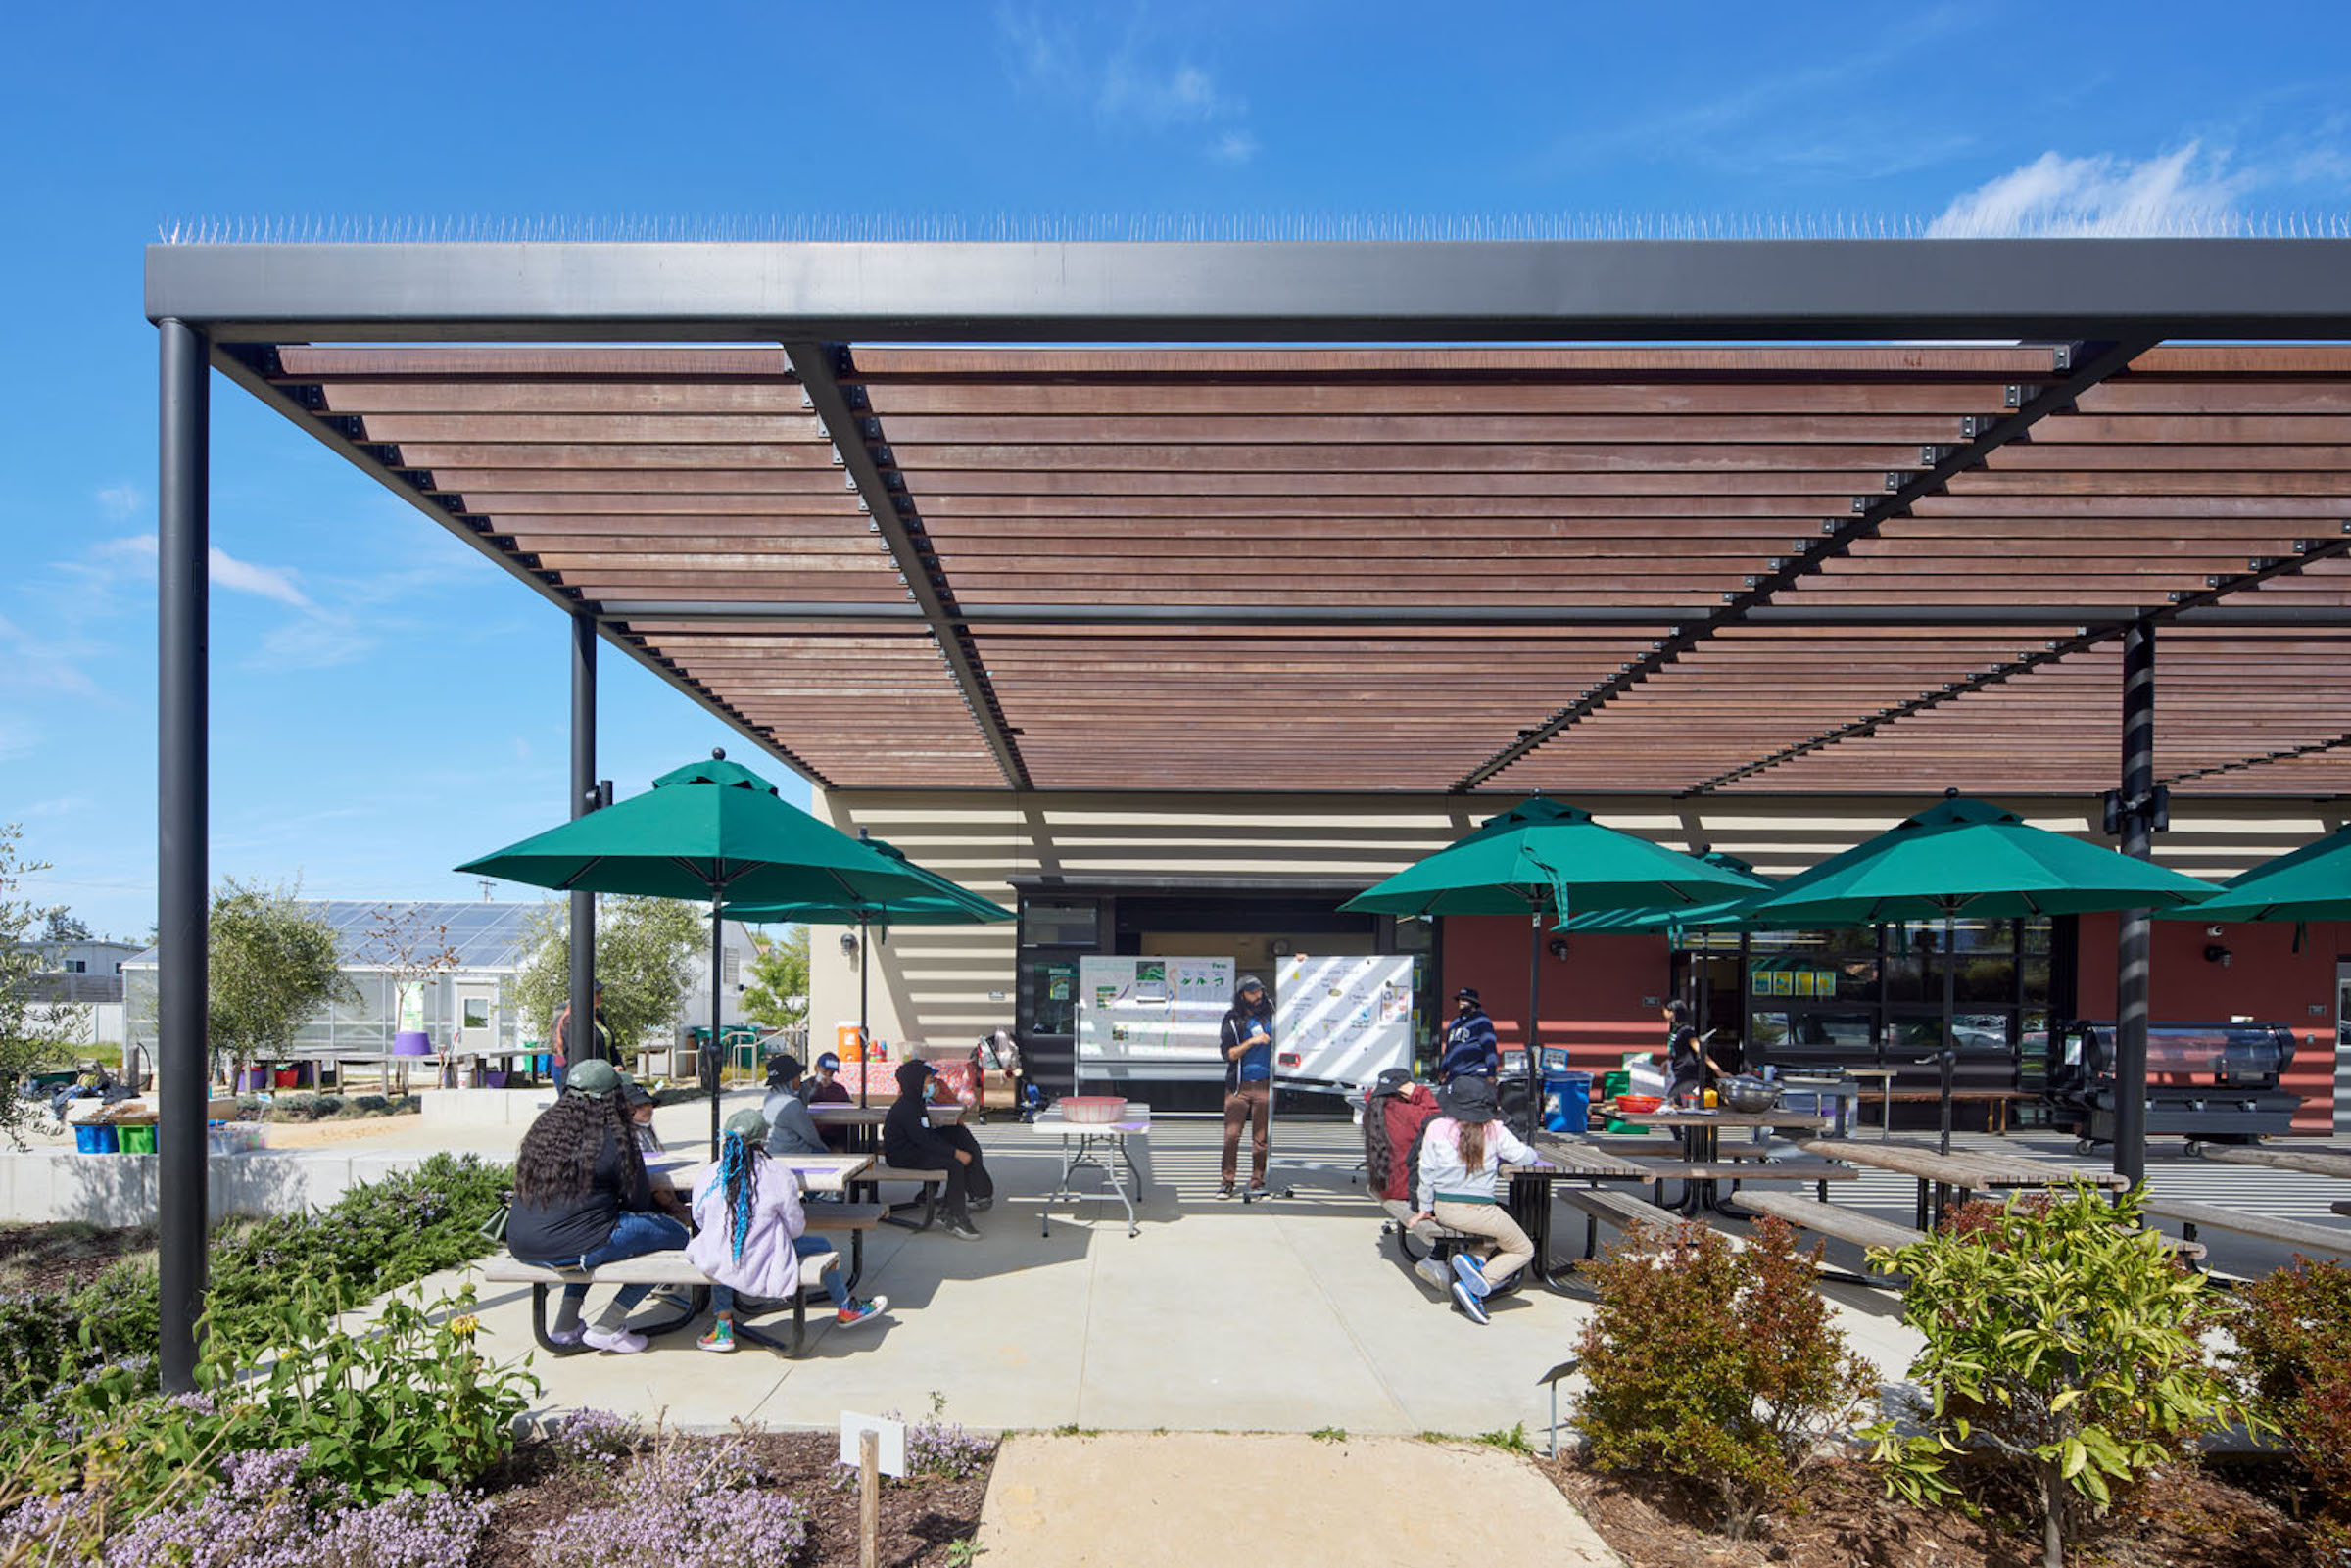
(848,946)
(2215,953)
(1558,947)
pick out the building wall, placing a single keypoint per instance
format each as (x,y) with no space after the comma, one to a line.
(935,984)
(2265,980)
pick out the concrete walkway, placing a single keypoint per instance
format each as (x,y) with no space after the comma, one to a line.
(1144,1502)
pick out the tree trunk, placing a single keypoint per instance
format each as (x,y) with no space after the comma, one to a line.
(2052,1521)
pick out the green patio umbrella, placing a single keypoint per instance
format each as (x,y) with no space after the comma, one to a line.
(1726,913)
(711,831)
(1549,862)
(2312,882)
(945,904)
(1966,857)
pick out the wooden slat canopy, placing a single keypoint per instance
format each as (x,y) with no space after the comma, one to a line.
(1631,569)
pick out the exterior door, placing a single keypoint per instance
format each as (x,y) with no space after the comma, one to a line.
(474,1024)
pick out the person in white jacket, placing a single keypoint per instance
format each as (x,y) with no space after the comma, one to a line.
(750,1233)
(1462,1153)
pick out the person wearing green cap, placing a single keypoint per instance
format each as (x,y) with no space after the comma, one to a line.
(750,1233)
(582,1197)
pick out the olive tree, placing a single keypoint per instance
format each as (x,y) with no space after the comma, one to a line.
(644,951)
(778,996)
(273,964)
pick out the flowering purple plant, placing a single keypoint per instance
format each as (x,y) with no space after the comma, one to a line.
(586,1435)
(690,1502)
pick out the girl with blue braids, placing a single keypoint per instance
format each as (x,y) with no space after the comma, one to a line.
(750,1234)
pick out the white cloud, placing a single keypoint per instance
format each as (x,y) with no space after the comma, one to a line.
(122,502)
(2179,192)
(39,665)
(137,552)
(1143,84)
(318,641)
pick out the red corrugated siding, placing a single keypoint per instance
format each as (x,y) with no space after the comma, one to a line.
(2265,979)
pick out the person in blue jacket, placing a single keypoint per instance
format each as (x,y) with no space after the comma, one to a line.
(1470,1047)
(1247,1043)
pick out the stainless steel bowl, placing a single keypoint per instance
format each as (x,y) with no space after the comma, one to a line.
(1748,1095)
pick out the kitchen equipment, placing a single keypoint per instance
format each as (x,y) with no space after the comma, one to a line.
(2212,1082)
(1748,1094)
(1637,1105)
(1090,1109)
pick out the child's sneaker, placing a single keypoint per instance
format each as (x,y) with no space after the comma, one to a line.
(1467,1299)
(1430,1269)
(566,1337)
(1471,1275)
(618,1341)
(859,1312)
(721,1338)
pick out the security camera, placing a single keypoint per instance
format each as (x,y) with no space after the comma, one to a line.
(2212,931)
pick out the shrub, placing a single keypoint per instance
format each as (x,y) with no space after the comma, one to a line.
(2292,1367)
(1716,1364)
(2062,1337)
(374,1105)
(689,1503)
(591,1435)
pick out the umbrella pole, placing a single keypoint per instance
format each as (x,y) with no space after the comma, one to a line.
(1950,1021)
(718,970)
(1534,1021)
(865,1047)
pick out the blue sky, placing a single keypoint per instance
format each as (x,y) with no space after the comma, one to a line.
(386,704)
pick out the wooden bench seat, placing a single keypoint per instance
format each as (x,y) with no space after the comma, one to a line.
(672,1268)
(1826,1219)
(934,1184)
(2342,1205)
(1995,1101)
(2325,1241)
(1617,1207)
(1667,1149)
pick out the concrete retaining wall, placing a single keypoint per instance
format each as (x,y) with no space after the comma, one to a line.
(43,1185)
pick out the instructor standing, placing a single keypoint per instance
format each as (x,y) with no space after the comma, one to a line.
(1247,1041)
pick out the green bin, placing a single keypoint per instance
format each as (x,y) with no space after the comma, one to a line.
(136,1140)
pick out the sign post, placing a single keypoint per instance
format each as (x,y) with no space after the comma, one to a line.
(876,1446)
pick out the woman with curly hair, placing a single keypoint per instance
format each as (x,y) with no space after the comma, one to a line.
(582,1197)
(752,1233)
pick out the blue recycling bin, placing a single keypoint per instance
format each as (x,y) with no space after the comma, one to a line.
(1566,1100)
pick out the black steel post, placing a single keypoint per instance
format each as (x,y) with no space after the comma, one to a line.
(712,1075)
(865,1043)
(583,1042)
(183,1073)
(1534,1019)
(2135,936)
(1948,1055)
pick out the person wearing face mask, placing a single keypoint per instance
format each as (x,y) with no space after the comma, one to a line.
(910,1143)
(1247,1042)
(1471,1048)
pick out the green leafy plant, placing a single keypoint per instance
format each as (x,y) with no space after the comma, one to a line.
(778,995)
(2060,1337)
(644,948)
(1328,1434)
(273,963)
(2292,1365)
(1510,1440)
(1716,1364)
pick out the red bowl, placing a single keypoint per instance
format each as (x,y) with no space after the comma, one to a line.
(1638,1104)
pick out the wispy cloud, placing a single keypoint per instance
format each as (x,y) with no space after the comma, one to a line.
(1144,84)
(39,666)
(137,552)
(2179,192)
(122,502)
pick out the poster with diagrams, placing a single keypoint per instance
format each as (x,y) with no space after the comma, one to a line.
(1151,1017)
(1342,1020)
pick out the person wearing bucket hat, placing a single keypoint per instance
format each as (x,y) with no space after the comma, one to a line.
(790,1130)
(1246,1040)
(1471,1046)
(582,1197)
(751,1234)
(1460,1158)
(640,1102)
(911,1143)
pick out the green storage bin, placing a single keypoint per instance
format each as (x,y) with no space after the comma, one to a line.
(136,1140)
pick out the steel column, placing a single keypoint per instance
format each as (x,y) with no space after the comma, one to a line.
(2132,966)
(183,1074)
(584,797)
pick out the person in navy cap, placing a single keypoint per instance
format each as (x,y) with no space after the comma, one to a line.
(1470,1047)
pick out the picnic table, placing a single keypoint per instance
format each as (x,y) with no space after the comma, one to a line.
(1565,1161)
(1100,1145)
(1963,1174)
(1702,1146)
(861,1124)
(2310,1161)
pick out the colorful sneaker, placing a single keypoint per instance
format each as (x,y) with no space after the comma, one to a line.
(1430,1269)
(721,1338)
(1466,1299)
(618,1341)
(861,1312)
(1471,1275)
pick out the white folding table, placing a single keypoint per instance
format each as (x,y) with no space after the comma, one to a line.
(1101,1145)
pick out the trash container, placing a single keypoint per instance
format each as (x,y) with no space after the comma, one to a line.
(136,1140)
(94,1138)
(1566,1100)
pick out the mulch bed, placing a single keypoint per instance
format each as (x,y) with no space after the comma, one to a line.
(2192,1518)
(920,1516)
(66,1255)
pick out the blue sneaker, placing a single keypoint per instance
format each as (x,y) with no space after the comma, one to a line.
(1467,1268)
(1468,1301)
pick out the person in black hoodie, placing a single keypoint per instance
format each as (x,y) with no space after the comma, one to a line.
(911,1143)
(1247,1044)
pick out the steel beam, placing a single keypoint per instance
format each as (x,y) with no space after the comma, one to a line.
(857,436)
(184,1068)
(1589,290)
(585,797)
(2076,368)
(2133,956)
(2315,748)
